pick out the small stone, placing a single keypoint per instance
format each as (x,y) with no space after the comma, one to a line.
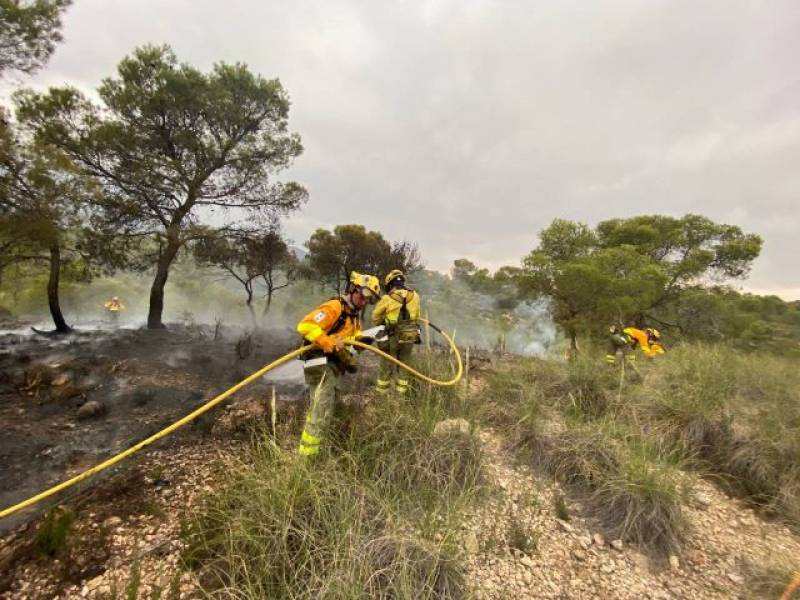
(599,539)
(674,564)
(736,578)
(90,409)
(471,545)
(578,554)
(702,499)
(617,545)
(585,541)
(112,521)
(451,425)
(62,379)
(564,525)
(640,560)
(527,561)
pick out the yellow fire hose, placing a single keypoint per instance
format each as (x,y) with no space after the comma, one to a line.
(214,402)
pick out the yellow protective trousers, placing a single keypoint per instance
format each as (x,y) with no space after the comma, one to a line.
(388,370)
(324,384)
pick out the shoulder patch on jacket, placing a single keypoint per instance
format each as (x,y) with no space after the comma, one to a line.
(319,316)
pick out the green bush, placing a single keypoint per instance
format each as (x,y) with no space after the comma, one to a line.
(375,515)
(735,415)
(288,528)
(51,536)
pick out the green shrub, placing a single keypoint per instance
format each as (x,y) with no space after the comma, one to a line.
(734,415)
(51,536)
(769,578)
(283,527)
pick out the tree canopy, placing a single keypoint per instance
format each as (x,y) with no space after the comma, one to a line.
(256,260)
(333,255)
(42,216)
(626,268)
(170,145)
(29,32)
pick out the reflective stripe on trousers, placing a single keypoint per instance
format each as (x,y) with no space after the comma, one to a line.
(382,385)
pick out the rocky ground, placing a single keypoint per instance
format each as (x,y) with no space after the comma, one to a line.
(517,547)
(127,532)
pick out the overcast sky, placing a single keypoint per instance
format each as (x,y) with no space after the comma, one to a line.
(468,125)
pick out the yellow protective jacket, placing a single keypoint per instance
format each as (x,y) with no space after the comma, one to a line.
(387,310)
(114,306)
(643,341)
(316,327)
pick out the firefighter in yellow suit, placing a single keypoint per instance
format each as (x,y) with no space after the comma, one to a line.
(114,307)
(398,311)
(627,340)
(326,328)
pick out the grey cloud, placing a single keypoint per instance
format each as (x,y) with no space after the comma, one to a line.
(468,125)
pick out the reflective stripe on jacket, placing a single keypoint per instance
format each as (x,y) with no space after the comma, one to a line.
(387,311)
(317,324)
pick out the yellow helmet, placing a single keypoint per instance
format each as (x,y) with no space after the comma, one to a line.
(368,284)
(654,333)
(392,276)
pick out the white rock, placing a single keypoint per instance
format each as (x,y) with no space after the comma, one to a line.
(471,545)
(113,521)
(599,539)
(674,564)
(564,525)
(736,578)
(617,545)
(451,425)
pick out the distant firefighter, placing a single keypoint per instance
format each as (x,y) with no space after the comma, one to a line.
(625,342)
(113,308)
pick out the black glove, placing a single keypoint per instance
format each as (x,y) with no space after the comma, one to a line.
(366,339)
(347,361)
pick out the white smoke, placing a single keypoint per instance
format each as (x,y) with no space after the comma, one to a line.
(533,332)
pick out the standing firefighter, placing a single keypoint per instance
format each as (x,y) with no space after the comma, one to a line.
(626,340)
(398,311)
(113,308)
(326,328)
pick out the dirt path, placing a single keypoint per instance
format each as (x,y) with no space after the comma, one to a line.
(518,548)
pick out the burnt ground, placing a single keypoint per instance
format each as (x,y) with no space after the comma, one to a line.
(131,514)
(67,403)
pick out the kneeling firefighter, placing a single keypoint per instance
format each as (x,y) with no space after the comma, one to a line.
(327,327)
(398,312)
(625,341)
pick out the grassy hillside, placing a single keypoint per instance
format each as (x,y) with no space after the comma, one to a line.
(381,514)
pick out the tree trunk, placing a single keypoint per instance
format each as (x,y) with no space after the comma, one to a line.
(250,307)
(52,290)
(572,353)
(267,305)
(157,289)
